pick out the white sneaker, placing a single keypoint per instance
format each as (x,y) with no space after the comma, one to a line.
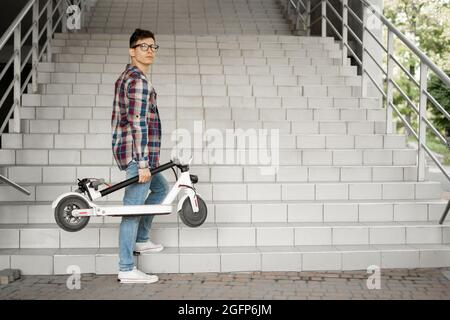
(141,247)
(136,276)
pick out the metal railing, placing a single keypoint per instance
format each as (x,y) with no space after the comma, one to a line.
(13,184)
(55,15)
(387,75)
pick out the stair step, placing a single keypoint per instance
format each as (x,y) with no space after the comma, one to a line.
(219,173)
(322,211)
(198,38)
(87,77)
(230,259)
(40,236)
(287,141)
(207,102)
(202,126)
(229,191)
(86,67)
(230,156)
(115,52)
(215,114)
(210,85)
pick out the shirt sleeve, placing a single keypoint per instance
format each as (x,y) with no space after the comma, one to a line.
(138,95)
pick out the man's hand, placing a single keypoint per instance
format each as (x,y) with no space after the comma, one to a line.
(144,175)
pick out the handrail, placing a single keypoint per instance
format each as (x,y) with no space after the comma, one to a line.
(426,65)
(17,86)
(423,57)
(9,32)
(13,184)
(35,53)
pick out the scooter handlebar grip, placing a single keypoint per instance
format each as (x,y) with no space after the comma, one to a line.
(135,179)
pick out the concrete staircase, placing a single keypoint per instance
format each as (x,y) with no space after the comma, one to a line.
(186,17)
(345,195)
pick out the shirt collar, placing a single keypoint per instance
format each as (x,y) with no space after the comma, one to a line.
(130,66)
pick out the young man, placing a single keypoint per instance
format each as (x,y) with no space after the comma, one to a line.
(136,142)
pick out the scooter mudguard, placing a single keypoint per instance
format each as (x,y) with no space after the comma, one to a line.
(62,196)
(193,199)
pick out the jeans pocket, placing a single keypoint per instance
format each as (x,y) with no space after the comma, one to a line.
(132,169)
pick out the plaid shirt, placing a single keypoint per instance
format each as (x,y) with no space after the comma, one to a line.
(135,122)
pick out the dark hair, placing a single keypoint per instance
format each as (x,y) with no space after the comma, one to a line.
(139,34)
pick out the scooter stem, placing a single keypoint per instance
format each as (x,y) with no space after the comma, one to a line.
(135,179)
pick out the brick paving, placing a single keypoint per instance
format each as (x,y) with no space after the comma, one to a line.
(395,284)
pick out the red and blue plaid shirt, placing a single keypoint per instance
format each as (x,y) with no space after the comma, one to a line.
(135,122)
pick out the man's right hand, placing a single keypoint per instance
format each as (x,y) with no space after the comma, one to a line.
(144,175)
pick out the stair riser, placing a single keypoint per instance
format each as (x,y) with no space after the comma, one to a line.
(282,127)
(230,262)
(230,192)
(301,212)
(225,237)
(197,84)
(80,67)
(206,114)
(195,70)
(216,156)
(63,174)
(102,141)
(168,49)
(213,103)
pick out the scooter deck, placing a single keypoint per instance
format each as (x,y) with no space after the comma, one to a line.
(156,209)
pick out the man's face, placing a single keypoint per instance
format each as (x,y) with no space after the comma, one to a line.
(142,56)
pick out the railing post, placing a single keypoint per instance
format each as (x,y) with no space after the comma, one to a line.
(308,18)
(17,80)
(344,31)
(288,9)
(34,54)
(82,12)
(363,53)
(49,30)
(389,86)
(297,16)
(324,21)
(422,125)
(62,11)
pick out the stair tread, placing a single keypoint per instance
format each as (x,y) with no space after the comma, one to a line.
(271,202)
(256,249)
(222,225)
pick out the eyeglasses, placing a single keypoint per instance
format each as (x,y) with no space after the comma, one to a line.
(145,47)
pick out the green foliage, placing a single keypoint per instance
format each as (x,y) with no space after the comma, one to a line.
(442,94)
(427,24)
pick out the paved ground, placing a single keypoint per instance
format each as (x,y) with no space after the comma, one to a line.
(395,284)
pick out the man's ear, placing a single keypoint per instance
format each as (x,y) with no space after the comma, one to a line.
(131,52)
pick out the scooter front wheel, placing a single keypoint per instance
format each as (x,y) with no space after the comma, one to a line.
(63,214)
(189,217)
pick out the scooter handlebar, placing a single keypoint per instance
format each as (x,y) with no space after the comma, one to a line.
(135,179)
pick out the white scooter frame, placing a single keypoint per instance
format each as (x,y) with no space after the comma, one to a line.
(88,193)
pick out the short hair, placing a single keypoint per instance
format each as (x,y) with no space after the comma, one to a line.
(139,34)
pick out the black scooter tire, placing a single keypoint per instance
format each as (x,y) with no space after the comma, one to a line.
(63,216)
(189,217)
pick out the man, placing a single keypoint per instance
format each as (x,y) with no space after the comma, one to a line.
(136,142)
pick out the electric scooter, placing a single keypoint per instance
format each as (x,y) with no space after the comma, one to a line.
(74,209)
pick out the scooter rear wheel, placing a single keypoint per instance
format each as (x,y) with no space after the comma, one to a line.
(189,217)
(63,214)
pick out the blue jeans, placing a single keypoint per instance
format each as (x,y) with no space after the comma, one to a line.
(137,228)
